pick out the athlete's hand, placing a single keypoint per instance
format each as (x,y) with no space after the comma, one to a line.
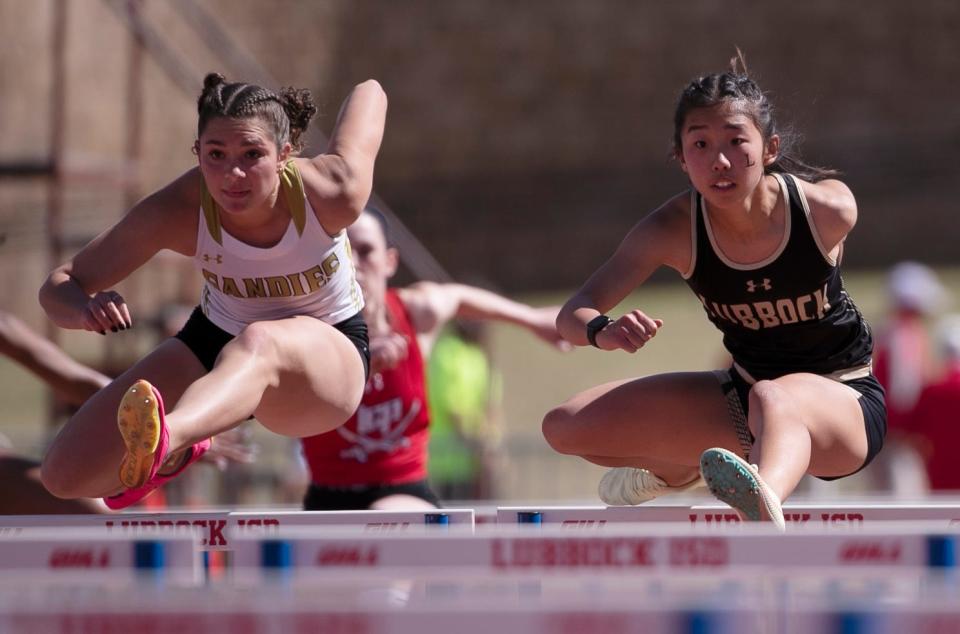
(387,351)
(630,332)
(234,445)
(106,311)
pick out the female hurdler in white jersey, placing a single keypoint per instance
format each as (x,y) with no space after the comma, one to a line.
(759,240)
(277,333)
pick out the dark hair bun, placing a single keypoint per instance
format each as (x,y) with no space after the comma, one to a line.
(212,80)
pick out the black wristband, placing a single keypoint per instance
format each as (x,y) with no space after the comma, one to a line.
(594,326)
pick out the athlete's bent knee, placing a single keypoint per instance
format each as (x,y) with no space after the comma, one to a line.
(557,428)
(57,481)
(257,337)
(768,395)
(255,340)
(772,402)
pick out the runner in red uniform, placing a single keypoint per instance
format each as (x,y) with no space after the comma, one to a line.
(378,459)
(936,418)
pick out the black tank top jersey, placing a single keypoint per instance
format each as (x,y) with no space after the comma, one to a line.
(789,313)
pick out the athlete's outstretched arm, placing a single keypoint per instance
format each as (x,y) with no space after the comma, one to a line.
(70,380)
(663,237)
(341,180)
(75,295)
(432,305)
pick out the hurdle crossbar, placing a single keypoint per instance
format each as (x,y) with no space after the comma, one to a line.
(216,530)
(794,514)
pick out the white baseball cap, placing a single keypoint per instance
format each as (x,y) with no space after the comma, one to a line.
(915,286)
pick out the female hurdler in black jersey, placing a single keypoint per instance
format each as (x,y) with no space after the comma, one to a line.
(759,239)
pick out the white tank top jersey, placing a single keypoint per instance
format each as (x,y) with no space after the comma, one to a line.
(307,273)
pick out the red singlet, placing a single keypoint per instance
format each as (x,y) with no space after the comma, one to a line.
(385,441)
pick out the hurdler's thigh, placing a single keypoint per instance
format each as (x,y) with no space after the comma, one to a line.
(303,341)
(657,415)
(320,382)
(822,401)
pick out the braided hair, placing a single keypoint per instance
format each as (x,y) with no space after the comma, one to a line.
(287,113)
(736,85)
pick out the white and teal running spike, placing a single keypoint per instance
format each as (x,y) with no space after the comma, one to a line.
(736,482)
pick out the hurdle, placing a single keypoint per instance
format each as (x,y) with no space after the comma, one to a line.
(215,530)
(271,611)
(208,529)
(657,547)
(835,515)
(268,523)
(543,579)
(254,615)
(86,555)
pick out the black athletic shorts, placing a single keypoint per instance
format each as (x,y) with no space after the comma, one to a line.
(360,498)
(737,391)
(205,339)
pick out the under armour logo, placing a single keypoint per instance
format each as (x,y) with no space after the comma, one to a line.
(753,286)
(218,258)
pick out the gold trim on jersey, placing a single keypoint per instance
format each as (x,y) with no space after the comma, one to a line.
(355,295)
(210,212)
(290,285)
(841,376)
(832,261)
(693,236)
(291,185)
(752,266)
(293,193)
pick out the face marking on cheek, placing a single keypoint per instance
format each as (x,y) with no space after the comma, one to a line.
(750,161)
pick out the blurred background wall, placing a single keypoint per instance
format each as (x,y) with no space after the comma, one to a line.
(529,127)
(523,139)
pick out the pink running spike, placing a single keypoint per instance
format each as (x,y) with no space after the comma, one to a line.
(140,419)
